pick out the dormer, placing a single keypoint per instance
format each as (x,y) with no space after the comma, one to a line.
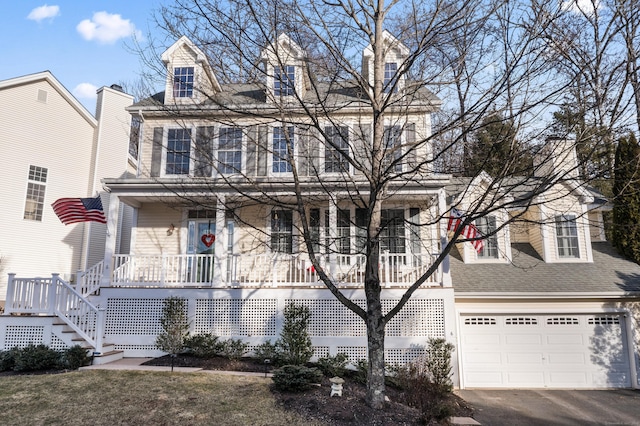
(395,55)
(284,64)
(189,75)
(557,158)
(496,244)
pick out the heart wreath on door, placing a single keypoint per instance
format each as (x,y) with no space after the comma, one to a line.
(208,239)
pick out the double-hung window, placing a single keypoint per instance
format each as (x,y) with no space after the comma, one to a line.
(34,203)
(282,231)
(392,237)
(284,80)
(343,231)
(183,82)
(390,77)
(336,153)
(282,149)
(392,146)
(487,228)
(567,236)
(178,152)
(230,150)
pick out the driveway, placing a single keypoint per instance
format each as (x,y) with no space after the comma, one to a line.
(554,407)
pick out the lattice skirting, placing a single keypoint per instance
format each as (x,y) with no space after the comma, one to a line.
(22,331)
(133,318)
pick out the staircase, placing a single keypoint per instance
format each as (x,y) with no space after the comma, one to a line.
(76,321)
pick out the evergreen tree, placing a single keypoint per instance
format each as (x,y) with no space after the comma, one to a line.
(294,344)
(626,202)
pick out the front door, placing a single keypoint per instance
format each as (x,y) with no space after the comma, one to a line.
(202,243)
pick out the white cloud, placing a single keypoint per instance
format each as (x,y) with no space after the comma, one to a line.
(85,91)
(581,6)
(106,28)
(44,12)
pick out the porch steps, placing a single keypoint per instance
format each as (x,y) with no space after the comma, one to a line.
(68,335)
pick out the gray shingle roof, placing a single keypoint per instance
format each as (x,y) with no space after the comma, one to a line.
(528,273)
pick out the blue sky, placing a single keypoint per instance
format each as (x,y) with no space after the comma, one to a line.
(85,44)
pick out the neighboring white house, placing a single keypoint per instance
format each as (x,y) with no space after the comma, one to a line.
(545,303)
(52,148)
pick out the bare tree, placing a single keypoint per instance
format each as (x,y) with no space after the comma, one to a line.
(249,46)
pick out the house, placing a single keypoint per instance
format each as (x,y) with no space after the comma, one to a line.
(64,152)
(216,221)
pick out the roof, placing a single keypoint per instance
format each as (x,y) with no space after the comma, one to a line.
(528,273)
(251,94)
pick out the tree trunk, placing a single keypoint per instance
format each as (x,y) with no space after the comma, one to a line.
(375,340)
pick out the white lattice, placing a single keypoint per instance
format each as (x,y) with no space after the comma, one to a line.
(418,318)
(401,356)
(23,335)
(321,351)
(332,318)
(57,344)
(134,316)
(134,347)
(355,353)
(236,317)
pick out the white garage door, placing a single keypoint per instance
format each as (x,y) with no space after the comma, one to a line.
(544,351)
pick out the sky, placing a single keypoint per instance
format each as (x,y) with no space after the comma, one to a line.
(86,44)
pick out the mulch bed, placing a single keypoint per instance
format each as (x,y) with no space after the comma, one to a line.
(317,404)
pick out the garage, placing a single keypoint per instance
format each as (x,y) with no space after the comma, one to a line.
(544,351)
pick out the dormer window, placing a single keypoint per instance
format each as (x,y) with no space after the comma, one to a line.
(183,82)
(284,80)
(487,227)
(567,236)
(390,77)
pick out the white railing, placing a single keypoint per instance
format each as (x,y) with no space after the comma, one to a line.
(53,296)
(271,269)
(88,282)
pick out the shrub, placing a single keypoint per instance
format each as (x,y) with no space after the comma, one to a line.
(75,357)
(8,359)
(174,325)
(362,367)
(294,345)
(36,357)
(427,381)
(332,366)
(234,349)
(205,345)
(267,350)
(295,378)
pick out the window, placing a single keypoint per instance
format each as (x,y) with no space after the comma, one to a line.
(392,142)
(34,203)
(282,149)
(314,229)
(487,225)
(230,150)
(390,77)
(336,153)
(392,237)
(567,236)
(178,151)
(361,230)
(282,231)
(134,136)
(343,234)
(284,80)
(183,82)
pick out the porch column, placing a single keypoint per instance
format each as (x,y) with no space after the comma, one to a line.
(220,256)
(110,238)
(333,235)
(444,240)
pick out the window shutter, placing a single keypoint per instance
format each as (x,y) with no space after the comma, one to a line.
(204,151)
(156,152)
(314,152)
(252,140)
(414,230)
(263,151)
(410,138)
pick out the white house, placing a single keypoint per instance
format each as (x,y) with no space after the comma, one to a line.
(545,303)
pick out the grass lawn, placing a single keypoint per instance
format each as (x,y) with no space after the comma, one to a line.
(108,397)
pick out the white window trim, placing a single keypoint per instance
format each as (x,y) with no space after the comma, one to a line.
(323,150)
(243,152)
(271,153)
(165,149)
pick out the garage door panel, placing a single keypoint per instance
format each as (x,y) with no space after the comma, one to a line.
(544,350)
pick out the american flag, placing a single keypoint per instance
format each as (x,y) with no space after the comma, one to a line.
(73,210)
(470,231)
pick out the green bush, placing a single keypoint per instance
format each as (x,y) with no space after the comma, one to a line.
(36,357)
(8,359)
(234,349)
(204,345)
(295,378)
(267,350)
(332,366)
(294,345)
(175,325)
(75,357)
(362,367)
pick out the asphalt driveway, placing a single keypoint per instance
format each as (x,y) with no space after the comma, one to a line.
(554,407)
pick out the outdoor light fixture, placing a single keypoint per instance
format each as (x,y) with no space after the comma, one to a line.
(170,230)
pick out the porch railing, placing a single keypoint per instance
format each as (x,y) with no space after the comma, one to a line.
(54,296)
(279,269)
(89,281)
